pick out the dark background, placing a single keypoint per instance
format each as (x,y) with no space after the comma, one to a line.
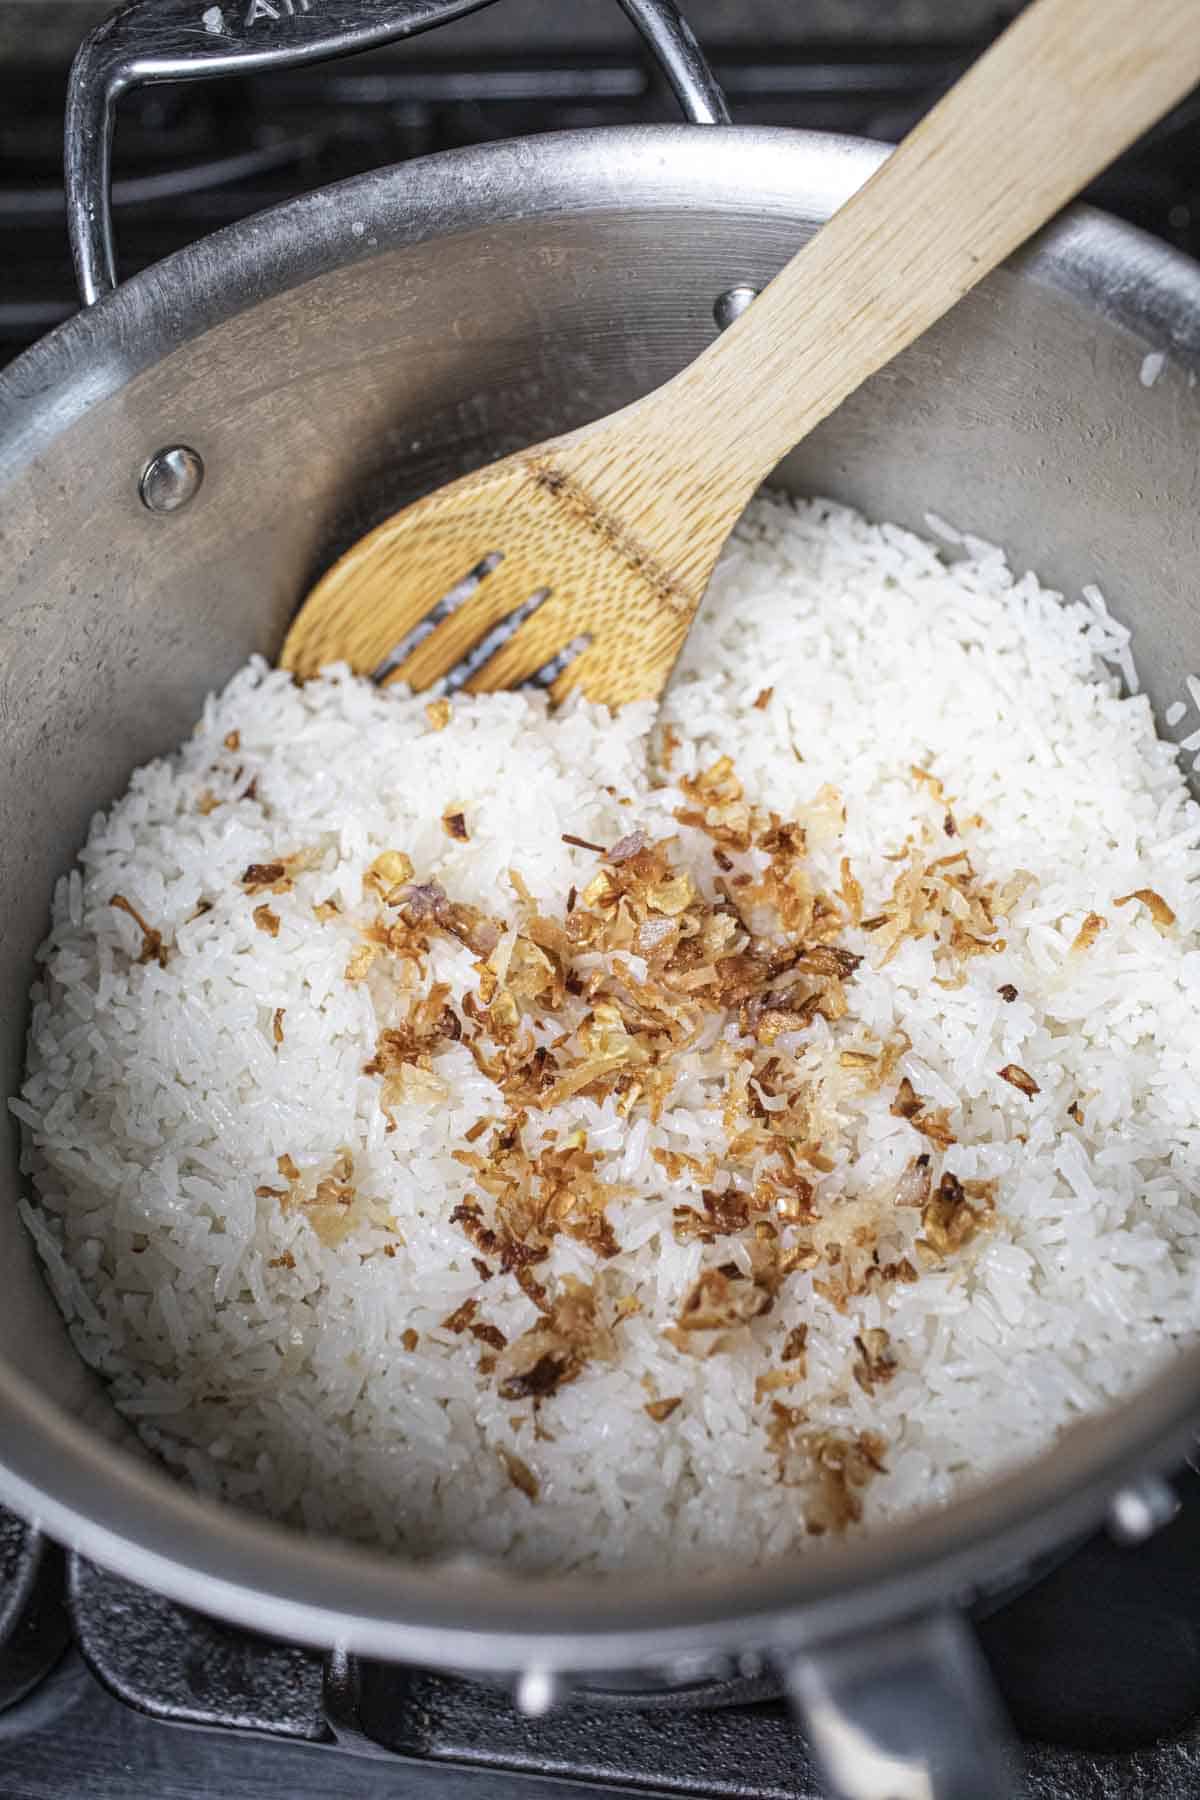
(192,157)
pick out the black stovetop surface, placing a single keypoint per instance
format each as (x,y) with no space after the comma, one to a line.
(109,1693)
(191,157)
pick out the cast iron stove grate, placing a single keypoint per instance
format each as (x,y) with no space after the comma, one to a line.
(192,157)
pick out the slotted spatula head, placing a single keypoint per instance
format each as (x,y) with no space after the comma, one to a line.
(609,535)
(536,567)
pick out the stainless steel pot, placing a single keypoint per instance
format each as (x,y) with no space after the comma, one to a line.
(323,363)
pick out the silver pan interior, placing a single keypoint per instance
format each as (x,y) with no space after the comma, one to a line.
(342,355)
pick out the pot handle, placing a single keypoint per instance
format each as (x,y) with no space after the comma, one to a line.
(906,1713)
(181,40)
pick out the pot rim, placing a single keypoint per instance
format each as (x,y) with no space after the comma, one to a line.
(128,1514)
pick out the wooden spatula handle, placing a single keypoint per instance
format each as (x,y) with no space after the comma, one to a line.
(1066,88)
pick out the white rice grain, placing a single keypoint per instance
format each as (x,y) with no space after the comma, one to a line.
(276,1372)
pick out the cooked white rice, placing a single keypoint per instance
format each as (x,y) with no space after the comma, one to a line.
(157,1100)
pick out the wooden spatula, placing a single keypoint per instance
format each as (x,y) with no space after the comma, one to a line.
(606,538)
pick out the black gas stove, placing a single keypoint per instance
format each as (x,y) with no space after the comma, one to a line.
(190,158)
(112,1693)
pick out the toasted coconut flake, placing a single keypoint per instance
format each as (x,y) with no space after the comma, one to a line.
(718,1303)
(1089,931)
(454,824)
(520,1473)
(542,1377)
(774,1380)
(896,1046)
(460,1319)
(266,920)
(874,1363)
(260,876)
(829,960)
(489,1334)
(841,1468)
(1006,898)
(389,874)
(439,714)
(361,958)
(277,1023)
(287,1167)
(967,944)
(1162,915)
(555,1352)
(948,1221)
(412,1085)
(763,699)
(233,740)
(286,1261)
(851,892)
(936,1127)
(1075,1111)
(661,1410)
(831,1467)
(1007,993)
(924,778)
(207,803)
(153,949)
(908,1103)
(410,1339)
(1020,1079)
(795,1343)
(581,843)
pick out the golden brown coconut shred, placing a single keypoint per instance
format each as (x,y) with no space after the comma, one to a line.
(153,949)
(561,1009)
(555,1351)
(1162,914)
(1019,1078)
(1089,931)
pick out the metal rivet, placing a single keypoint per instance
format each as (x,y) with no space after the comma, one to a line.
(732,304)
(1136,1513)
(170,479)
